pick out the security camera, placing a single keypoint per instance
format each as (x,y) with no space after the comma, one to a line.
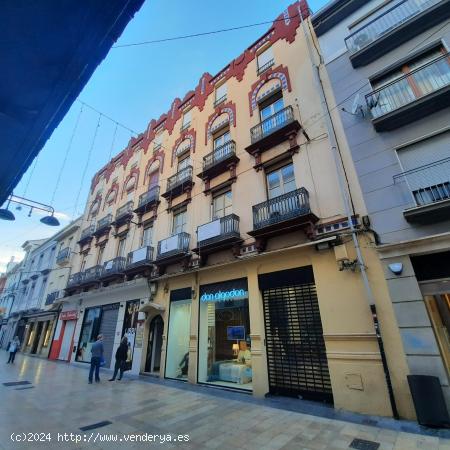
(396,268)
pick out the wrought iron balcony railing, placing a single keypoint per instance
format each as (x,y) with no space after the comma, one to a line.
(272,124)
(173,245)
(103,223)
(413,86)
(52,297)
(220,100)
(185,126)
(92,274)
(183,176)
(281,208)
(218,229)
(124,211)
(265,67)
(429,183)
(219,154)
(63,255)
(87,232)
(140,257)
(114,266)
(75,279)
(149,197)
(387,20)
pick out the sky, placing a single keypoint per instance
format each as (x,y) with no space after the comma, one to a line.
(132,85)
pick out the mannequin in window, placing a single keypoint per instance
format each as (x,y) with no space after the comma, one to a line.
(244,355)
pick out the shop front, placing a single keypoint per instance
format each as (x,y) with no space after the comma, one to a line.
(62,346)
(224,351)
(38,331)
(177,353)
(98,320)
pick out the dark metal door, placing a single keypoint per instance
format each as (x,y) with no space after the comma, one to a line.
(296,355)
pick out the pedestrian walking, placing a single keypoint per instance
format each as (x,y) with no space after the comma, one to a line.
(96,359)
(13,348)
(121,359)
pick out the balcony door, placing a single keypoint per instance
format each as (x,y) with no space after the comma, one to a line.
(147,236)
(222,205)
(179,222)
(280,181)
(267,111)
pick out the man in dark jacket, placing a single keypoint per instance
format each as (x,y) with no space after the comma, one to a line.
(121,358)
(96,358)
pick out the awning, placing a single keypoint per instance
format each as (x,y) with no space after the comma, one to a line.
(148,307)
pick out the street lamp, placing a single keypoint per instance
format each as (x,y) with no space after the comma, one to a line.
(49,219)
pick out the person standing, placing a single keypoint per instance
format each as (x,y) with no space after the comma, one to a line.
(13,348)
(121,358)
(96,358)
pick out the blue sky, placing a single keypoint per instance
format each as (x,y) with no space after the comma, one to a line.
(133,85)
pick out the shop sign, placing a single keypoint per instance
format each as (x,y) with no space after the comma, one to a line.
(68,315)
(226,291)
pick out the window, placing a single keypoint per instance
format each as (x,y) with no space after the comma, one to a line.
(147,236)
(270,108)
(415,79)
(179,222)
(222,205)
(41,258)
(222,139)
(101,250)
(157,142)
(183,163)
(186,120)
(265,60)
(221,94)
(83,262)
(280,181)
(121,246)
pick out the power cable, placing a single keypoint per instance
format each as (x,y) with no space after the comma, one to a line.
(205,33)
(87,164)
(69,146)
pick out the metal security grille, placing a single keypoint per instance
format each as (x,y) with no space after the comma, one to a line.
(297,360)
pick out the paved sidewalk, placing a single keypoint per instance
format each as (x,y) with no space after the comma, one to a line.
(59,399)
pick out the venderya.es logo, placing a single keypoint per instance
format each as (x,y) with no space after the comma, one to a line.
(222,296)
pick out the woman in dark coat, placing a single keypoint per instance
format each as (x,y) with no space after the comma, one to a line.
(121,358)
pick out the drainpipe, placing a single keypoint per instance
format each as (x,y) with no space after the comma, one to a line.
(348,211)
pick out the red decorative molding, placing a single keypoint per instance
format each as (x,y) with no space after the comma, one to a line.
(188,134)
(281,73)
(159,155)
(114,188)
(134,173)
(225,108)
(284,27)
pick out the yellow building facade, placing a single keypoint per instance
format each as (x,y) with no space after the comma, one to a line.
(221,239)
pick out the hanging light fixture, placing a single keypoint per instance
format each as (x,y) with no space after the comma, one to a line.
(49,219)
(5,213)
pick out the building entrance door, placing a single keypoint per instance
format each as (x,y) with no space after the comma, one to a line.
(153,360)
(66,345)
(37,337)
(296,355)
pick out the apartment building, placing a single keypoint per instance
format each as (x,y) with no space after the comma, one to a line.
(219,243)
(388,66)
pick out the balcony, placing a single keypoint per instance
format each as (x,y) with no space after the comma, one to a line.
(185,127)
(113,269)
(219,234)
(139,261)
(148,200)
(86,235)
(172,250)
(219,160)
(285,213)
(265,67)
(103,226)
(422,91)
(392,26)
(63,256)
(220,100)
(74,280)
(52,297)
(430,188)
(91,276)
(179,182)
(123,214)
(273,131)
